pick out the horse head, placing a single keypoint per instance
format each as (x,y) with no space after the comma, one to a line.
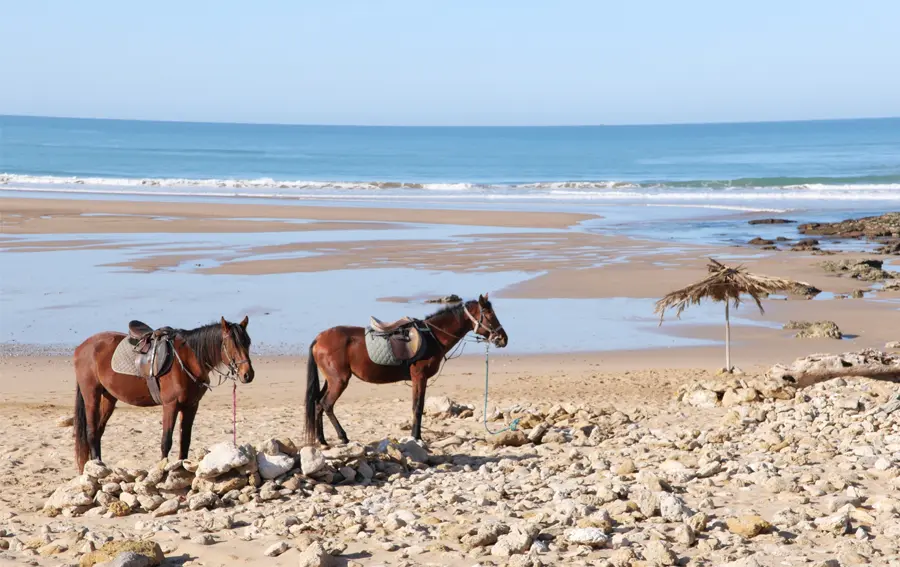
(485,322)
(236,349)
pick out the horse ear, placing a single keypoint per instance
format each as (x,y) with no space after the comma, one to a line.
(482,299)
(224,325)
(245,321)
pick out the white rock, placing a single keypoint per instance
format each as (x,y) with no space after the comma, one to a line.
(438,406)
(516,541)
(839,524)
(65,421)
(276,549)
(672,508)
(315,556)
(202,500)
(77,493)
(96,469)
(414,451)
(593,537)
(312,460)
(273,466)
(167,508)
(224,457)
(703,399)
(130,499)
(658,553)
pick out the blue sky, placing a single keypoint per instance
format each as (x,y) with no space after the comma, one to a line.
(461,62)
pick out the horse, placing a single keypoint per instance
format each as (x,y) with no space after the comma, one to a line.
(221,346)
(340,352)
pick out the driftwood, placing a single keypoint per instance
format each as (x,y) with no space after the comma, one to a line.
(816,368)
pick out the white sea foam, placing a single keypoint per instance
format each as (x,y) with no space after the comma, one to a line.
(557,190)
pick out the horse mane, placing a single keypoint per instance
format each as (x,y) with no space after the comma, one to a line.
(454,307)
(206,341)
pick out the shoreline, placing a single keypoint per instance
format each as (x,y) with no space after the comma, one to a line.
(549,270)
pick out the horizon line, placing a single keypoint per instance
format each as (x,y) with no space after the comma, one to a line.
(324,125)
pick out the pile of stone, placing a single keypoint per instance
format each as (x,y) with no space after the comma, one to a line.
(734,391)
(884,226)
(228,475)
(815,329)
(869,270)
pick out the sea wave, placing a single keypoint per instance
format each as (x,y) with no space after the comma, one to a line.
(882,187)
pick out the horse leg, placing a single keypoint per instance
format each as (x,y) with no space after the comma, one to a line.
(418,392)
(170,413)
(187,423)
(331,397)
(320,419)
(92,399)
(107,405)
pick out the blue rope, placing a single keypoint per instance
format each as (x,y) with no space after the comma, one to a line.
(515,423)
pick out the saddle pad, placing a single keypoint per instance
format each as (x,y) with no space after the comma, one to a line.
(380,350)
(124,360)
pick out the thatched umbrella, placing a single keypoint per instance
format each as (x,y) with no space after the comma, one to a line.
(728,285)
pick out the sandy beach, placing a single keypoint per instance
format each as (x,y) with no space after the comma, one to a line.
(539,267)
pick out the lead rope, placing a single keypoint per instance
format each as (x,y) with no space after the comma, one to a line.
(234,411)
(515,423)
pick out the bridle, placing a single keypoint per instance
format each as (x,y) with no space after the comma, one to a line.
(232,364)
(479,324)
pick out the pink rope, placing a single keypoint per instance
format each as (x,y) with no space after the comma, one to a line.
(234,412)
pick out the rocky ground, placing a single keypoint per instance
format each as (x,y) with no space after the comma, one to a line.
(730,471)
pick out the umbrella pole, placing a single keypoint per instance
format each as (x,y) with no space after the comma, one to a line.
(727,339)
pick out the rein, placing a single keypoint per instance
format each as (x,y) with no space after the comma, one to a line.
(223,376)
(515,423)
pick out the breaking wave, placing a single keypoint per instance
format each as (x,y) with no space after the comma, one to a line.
(881,187)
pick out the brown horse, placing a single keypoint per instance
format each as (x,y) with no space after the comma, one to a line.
(340,352)
(223,347)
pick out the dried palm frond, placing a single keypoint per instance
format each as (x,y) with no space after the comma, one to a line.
(726,284)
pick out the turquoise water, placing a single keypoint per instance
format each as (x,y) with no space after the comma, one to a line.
(805,161)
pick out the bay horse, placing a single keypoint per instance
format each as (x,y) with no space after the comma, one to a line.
(222,346)
(340,352)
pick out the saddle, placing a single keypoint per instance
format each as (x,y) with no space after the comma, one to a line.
(154,353)
(382,327)
(397,343)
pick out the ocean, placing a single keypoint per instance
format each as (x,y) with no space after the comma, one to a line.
(753,165)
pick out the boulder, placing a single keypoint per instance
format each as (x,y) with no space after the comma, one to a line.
(658,553)
(273,466)
(312,461)
(276,549)
(224,457)
(703,399)
(414,451)
(593,537)
(770,221)
(509,439)
(96,469)
(518,540)
(748,526)
(315,556)
(65,421)
(439,406)
(813,330)
(167,508)
(110,550)
(77,493)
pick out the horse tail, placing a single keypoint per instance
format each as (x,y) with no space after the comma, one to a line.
(82,450)
(312,395)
